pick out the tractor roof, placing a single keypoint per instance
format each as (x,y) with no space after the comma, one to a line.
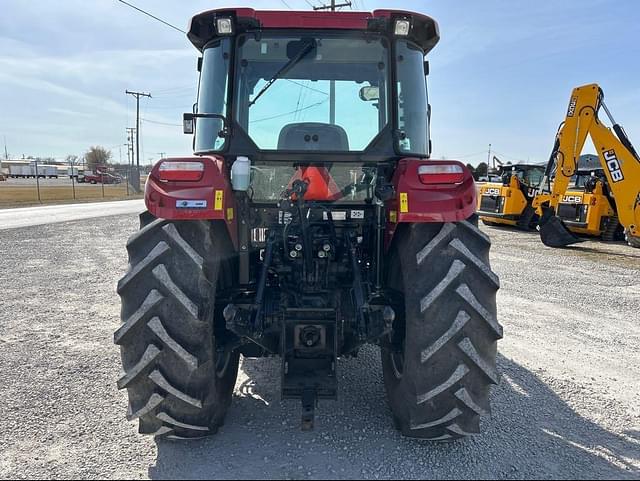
(424,30)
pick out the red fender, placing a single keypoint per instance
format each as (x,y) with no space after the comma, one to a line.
(209,198)
(433,203)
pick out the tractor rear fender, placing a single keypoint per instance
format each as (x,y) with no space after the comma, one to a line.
(170,195)
(445,191)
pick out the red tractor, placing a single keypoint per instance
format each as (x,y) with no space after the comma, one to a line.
(308,223)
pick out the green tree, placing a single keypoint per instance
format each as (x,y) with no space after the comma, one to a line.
(481,170)
(97,156)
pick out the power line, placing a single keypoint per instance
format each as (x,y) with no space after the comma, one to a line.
(286,4)
(289,113)
(299,98)
(160,123)
(182,106)
(177,95)
(511,157)
(306,86)
(174,89)
(153,16)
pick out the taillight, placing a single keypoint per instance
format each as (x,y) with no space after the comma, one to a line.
(441,174)
(181,171)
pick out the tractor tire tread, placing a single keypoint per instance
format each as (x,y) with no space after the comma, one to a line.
(167,334)
(451,331)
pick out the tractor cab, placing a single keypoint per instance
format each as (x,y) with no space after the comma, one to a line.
(328,87)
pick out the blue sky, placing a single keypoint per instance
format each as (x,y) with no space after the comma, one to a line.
(502,73)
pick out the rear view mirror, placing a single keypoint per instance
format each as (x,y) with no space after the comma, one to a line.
(187,123)
(369,94)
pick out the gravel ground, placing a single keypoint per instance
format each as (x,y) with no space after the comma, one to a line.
(567,407)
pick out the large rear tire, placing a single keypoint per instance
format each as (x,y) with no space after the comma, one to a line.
(440,361)
(179,381)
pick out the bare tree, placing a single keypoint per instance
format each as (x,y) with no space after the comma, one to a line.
(96,157)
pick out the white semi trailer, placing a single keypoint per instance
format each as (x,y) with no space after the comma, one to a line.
(29,170)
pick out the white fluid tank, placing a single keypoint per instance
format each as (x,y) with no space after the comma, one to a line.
(241,173)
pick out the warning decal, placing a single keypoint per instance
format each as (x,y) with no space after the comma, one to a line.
(218,200)
(404,202)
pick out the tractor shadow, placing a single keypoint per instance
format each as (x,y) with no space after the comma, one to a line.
(533,434)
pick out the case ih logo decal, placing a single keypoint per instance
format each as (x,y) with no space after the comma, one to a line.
(492,192)
(572,107)
(191,204)
(613,164)
(572,199)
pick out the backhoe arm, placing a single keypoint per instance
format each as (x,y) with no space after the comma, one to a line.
(617,156)
(622,168)
(570,139)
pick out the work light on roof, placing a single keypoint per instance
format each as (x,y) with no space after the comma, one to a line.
(224,26)
(402,27)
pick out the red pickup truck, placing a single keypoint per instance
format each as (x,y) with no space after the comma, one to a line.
(100,178)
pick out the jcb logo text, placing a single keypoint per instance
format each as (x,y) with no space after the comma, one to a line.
(572,107)
(613,164)
(572,199)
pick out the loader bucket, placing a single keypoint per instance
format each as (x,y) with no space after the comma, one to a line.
(554,232)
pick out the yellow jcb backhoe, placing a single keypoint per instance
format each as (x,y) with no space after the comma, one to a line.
(619,160)
(508,202)
(588,208)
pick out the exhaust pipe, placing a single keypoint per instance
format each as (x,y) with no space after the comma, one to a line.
(554,232)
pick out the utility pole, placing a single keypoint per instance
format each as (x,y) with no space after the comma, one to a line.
(137,95)
(332,83)
(489,158)
(73,179)
(162,154)
(130,157)
(120,163)
(333,6)
(6,154)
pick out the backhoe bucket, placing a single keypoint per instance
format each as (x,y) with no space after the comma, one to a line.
(554,232)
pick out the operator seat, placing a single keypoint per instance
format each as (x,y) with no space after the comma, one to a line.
(313,136)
